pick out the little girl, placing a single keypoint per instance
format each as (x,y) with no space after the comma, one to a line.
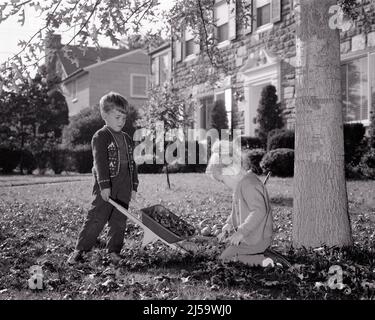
(250,221)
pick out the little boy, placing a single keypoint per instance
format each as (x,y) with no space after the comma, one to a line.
(115,176)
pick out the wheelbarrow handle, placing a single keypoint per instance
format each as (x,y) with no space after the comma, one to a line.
(124,211)
(267,177)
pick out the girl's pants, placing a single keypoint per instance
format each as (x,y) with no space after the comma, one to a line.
(251,255)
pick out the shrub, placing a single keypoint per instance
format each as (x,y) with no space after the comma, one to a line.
(82,157)
(9,159)
(367,164)
(219,118)
(186,167)
(273,132)
(42,159)
(354,143)
(371,130)
(281,139)
(252,158)
(353,172)
(83,126)
(176,168)
(27,161)
(279,161)
(269,113)
(58,160)
(248,142)
(150,168)
(202,151)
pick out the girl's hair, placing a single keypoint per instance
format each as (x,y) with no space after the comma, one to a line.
(113,101)
(224,154)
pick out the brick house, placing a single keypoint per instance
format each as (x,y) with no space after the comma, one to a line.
(92,73)
(264,53)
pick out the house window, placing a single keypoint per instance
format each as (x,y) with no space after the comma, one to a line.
(221,15)
(358,88)
(138,85)
(189,47)
(160,69)
(226,97)
(205,110)
(189,43)
(164,67)
(222,33)
(263,14)
(155,71)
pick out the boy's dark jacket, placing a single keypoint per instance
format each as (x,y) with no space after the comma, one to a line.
(107,158)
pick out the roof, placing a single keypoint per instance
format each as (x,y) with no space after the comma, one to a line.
(86,57)
(160,48)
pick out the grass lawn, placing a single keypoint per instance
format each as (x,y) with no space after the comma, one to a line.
(40,218)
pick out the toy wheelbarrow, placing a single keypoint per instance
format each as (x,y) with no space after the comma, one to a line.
(159,223)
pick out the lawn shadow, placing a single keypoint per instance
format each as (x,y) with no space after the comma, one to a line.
(282,202)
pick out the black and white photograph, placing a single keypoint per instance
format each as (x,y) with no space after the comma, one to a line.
(191,156)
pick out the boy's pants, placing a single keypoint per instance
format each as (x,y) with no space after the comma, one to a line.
(102,212)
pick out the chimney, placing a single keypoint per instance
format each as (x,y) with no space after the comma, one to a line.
(52,44)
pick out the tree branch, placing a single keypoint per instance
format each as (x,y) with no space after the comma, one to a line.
(22,4)
(36,33)
(149,7)
(205,32)
(86,22)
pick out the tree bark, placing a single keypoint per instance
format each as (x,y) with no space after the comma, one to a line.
(320,213)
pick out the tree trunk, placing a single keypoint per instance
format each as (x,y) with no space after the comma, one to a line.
(166,166)
(320,213)
(167,172)
(22,145)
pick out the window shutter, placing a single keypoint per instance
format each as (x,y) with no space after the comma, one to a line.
(197,117)
(275,11)
(177,50)
(197,44)
(157,71)
(197,47)
(249,28)
(232,19)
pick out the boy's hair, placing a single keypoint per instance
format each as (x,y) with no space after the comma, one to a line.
(113,101)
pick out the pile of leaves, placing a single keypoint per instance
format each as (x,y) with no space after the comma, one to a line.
(170,221)
(39,225)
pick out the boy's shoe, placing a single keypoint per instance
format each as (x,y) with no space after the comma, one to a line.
(115,257)
(75,257)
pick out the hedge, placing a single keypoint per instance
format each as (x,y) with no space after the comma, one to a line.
(279,161)
(251,159)
(9,159)
(281,139)
(248,142)
(367,164)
